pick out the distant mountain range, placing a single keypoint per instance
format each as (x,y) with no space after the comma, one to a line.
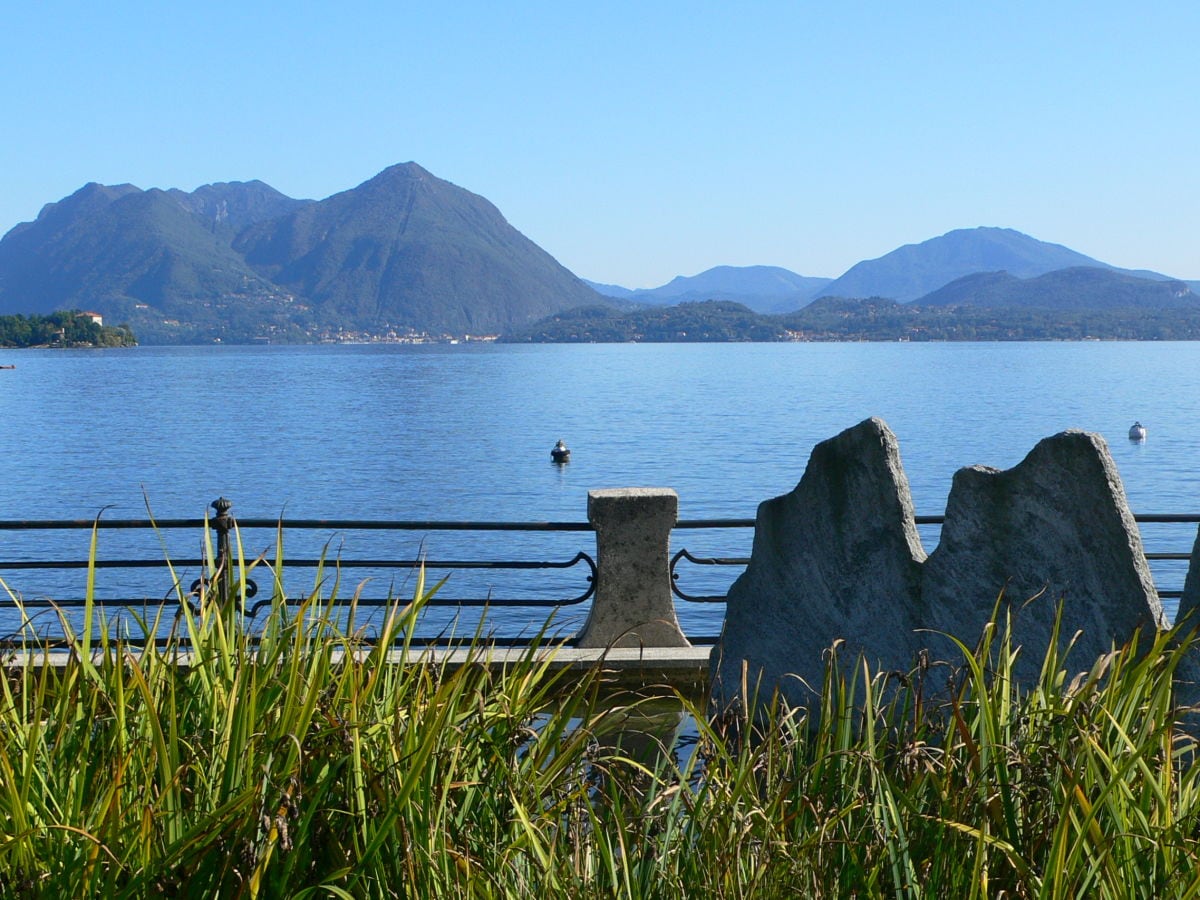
(914,270)
(408,252)
(906,274)
(1071,304)
(762,288)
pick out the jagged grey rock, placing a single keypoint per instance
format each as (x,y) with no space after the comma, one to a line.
(838,558)
(1189,601)
(1054,527)
(1187,675)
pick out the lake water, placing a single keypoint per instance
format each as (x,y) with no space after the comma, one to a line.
(463,432)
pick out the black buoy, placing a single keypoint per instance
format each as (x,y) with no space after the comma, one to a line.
(560,453)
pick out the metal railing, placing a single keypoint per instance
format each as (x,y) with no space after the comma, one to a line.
(224,565)
(220,571)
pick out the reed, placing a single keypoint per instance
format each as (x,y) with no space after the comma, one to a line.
(299,760)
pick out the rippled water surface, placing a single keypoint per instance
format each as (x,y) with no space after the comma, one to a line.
(464,432)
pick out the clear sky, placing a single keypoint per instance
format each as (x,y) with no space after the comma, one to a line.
(636,141)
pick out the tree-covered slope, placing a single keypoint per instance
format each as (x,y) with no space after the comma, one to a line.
(1075,288)
(407,249)
(707,321)
(124,252)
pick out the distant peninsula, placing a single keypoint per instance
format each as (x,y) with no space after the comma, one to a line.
(874,319)
(70,328)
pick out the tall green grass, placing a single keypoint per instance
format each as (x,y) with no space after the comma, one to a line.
(304,760)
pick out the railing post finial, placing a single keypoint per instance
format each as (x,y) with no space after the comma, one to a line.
(222,525)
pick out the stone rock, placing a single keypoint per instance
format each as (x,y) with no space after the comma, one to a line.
(1187,675)
(1189,601)
(838,558)
(1055,527)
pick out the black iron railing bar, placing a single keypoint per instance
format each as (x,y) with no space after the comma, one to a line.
(434,601)
(55,643)
(292,524)
(745,560)
(1141,518)
(297,563)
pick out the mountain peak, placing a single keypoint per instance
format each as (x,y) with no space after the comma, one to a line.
(915,270)
(408,249)
(92,195)
(400,172)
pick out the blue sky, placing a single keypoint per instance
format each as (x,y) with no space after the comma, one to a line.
(638,141)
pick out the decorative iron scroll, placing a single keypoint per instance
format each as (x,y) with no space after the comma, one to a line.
(702,561)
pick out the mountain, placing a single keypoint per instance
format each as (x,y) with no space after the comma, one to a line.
(406,249)
(136,256)
(764,289)
(1075,288)
(915,270)
(239,261)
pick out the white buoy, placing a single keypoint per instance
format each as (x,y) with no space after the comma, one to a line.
(1137,432)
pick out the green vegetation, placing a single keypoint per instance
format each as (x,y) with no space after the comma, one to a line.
(710,320)
(69,328)
(305,765)
(886,320)
(1082,288)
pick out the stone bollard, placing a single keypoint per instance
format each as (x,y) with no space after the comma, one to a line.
(633,606)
